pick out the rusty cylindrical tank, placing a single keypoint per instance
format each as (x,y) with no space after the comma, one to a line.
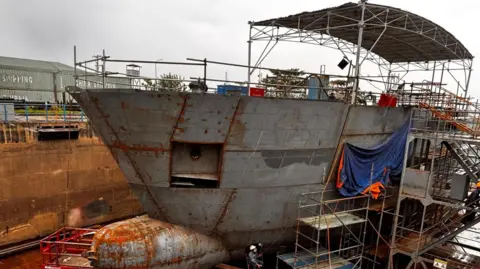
(143,242)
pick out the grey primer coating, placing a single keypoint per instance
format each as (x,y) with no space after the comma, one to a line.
(261,154)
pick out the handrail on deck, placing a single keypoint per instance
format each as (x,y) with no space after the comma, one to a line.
(41,113)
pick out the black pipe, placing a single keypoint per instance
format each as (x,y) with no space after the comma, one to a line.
(19,248)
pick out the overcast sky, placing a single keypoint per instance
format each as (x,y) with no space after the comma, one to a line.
(175,30)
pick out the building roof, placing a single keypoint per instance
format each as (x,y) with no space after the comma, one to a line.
(407,38)
(34,65)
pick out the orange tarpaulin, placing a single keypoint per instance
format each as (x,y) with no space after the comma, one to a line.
(340,166)
(375,189)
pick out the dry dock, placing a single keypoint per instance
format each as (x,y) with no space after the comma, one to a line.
(50,184)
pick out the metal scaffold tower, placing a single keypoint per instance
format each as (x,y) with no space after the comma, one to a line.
(441,165)
(336,232)
(426,212)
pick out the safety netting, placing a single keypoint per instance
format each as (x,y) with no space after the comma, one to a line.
(355,168)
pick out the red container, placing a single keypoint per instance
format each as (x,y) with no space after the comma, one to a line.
(387,100)
(257,92)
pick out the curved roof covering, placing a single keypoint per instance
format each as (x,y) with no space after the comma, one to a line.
(407,37)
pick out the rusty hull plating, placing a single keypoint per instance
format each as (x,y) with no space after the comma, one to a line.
(257,155)
(144,242)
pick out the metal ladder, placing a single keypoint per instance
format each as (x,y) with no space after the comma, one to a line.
(469,163)
(448,229)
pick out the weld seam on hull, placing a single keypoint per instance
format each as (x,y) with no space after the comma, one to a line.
(180,114)
(339,147)
(224,210)
(134,165)
(234,117)
(174,129)
(224,146)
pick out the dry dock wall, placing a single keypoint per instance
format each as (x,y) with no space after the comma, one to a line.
(45,185)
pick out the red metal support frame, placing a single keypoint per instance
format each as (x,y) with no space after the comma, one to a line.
(64,249)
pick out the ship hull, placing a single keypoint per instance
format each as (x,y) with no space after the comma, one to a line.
(257,155)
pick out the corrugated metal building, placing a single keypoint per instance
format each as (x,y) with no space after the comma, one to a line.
(33,80)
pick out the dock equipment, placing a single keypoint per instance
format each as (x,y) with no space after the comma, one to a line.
(63,249)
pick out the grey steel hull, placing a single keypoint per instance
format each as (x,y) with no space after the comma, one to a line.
(269,151)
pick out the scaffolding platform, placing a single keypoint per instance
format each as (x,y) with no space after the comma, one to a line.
(332,220)
(307,260)
(316,221)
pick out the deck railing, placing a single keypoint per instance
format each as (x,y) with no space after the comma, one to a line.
(41,113)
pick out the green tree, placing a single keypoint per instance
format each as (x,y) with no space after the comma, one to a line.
(171,83)
(167,82)
(289,83)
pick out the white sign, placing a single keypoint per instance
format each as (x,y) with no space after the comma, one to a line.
(16,79)
(437,263)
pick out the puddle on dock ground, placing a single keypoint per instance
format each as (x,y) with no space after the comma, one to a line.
(31,259)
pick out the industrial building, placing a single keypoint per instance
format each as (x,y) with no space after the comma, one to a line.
(26,80)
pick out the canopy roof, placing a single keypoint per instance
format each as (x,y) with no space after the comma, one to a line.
(407,37)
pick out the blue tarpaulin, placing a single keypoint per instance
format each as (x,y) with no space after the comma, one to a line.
(356,164)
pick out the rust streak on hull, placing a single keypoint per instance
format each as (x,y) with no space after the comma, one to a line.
(225,142)
(174,128)
(132,162)
(180,117)
(224,211)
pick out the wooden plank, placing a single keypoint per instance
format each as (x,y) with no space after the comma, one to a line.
(332,220)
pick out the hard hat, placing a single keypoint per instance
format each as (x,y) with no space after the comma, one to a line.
(252,247)
(478,184)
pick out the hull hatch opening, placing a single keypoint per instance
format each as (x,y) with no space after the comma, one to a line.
(195,165)
(54,133)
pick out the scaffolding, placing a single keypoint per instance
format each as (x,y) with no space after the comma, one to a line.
(442,158)
(426,208)
(441,163)
(396,41)
(332,230)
